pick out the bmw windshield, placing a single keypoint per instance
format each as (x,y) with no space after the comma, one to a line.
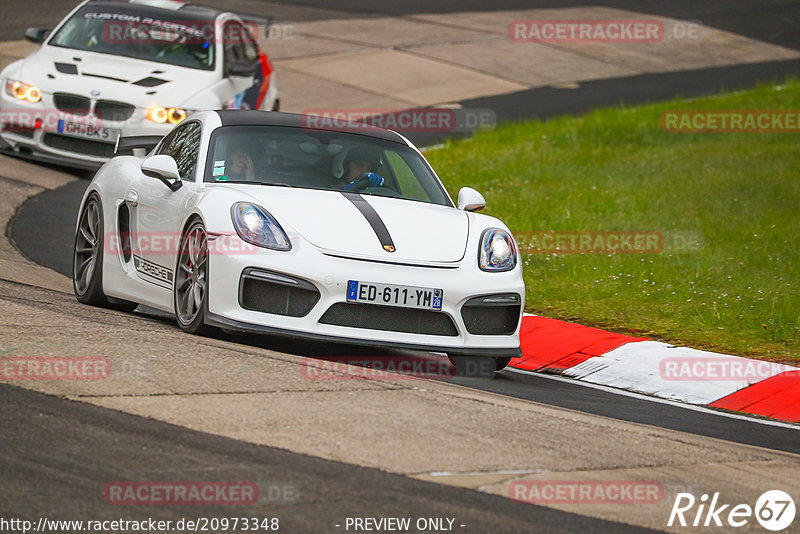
(152,35)
(313,159)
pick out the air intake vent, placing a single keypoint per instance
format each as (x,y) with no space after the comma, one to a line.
(390,319)
(268,292)
(103,76)
(82,146)
(113,111)
(492,314)
(66,68)
(74,104)
(150,81)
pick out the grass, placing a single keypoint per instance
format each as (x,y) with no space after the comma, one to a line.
(736,195)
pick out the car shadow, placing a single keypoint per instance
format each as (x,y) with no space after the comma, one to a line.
(331,360)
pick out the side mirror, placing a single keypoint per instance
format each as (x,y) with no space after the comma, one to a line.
(470,200)
(163,168)
(36,35)
(241,70)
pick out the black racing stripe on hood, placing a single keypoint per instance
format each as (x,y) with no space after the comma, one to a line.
(372,218)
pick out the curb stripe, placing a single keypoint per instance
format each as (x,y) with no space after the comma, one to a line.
(777,396)
(635,364)
(549,344)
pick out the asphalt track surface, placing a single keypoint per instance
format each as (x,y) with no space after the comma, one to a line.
(80,448)
(773,21)
(49,467)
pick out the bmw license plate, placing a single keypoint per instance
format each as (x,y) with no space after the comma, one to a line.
(88,131)
(394,295)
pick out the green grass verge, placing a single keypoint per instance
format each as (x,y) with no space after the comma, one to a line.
(735,290)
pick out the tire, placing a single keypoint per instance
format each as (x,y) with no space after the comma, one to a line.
(190,289)
(87,260)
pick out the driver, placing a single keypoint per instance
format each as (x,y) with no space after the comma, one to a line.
(359,170)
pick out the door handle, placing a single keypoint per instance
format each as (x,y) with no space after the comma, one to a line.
(132,198)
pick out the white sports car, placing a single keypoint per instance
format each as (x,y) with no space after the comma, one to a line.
(125,68)
(254,221)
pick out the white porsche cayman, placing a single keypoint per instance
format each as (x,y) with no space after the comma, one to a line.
(253,221)
(132,67)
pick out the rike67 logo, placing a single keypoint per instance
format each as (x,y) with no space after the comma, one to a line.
(774,510)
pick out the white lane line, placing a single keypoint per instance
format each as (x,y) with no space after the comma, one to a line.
(625,393)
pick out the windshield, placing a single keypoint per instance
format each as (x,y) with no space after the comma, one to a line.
(131,32)
(294,157)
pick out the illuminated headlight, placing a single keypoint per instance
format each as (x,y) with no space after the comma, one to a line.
(498,251)
(23,91)
(256,226)
(160,115)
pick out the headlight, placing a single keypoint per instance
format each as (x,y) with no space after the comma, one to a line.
(23,91)
(255,225)
(498,251)
(160,115)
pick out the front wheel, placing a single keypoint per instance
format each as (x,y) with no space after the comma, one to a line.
(190,289)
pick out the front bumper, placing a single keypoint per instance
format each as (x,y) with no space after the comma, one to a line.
(330,275)
(20,136)
(230,324)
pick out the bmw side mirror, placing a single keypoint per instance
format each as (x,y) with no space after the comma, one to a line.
(36,35)
(164,168)
(241,70)
(470,200)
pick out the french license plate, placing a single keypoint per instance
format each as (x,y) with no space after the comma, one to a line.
(88,131)
(394,295)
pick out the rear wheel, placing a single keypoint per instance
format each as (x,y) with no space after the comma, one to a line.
(191,280)
(87,260)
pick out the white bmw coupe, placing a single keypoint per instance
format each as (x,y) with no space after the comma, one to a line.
(254,221)
(124,68)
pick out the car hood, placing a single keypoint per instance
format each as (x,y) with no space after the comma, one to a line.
(135,81)
(331,221)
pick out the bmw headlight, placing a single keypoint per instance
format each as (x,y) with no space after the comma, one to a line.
(256,226)
(160,115)
(498,251)
(23,91)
